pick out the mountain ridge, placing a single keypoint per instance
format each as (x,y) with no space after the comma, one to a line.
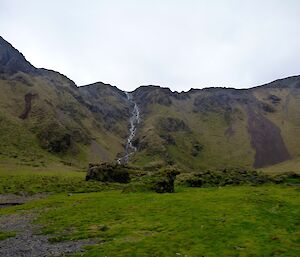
(213,127)
(3,42)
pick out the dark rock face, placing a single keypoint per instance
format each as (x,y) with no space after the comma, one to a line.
(170,124)
(274,99)
(28,99)
(266,140)
(220,100)
(107,172)
(12,61)
(213,103)
(107,103)
(147,95)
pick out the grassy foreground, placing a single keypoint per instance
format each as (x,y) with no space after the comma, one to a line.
(229,221)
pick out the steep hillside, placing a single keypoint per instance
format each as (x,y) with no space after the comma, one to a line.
(45,118)
(218,127)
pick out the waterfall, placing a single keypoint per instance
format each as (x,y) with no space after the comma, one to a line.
(134,120)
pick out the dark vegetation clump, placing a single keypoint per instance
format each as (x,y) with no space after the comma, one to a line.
(57,144)
(160,181)
(108,172)
(290,178)
(54,138)
(225,177)
(161,178)
(164,182)
(196,148)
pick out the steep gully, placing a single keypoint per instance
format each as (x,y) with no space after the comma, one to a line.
(134,120)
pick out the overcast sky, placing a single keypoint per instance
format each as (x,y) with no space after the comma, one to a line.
(178,44)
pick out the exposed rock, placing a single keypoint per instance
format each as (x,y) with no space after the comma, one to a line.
(274,99)
(28,99)
(108,172)
(107,103)
(220,100)
(170,124)
(12,61)
(147,95)
(266,140)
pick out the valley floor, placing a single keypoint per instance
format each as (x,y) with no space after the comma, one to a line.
(228,221)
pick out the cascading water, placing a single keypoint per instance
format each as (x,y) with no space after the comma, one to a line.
(134,120)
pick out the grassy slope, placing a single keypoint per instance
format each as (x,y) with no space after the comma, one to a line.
(54,178)
(230,221)
(219,150)
(287,166)
(54,108)
(210,129)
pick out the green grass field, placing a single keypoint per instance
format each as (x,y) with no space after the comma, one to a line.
(228,221)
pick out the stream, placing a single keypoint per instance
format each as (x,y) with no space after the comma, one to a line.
(134,120)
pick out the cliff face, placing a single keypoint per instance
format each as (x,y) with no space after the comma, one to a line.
(11,60)
(45,118)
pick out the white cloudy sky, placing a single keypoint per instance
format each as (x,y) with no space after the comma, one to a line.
(175,43)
